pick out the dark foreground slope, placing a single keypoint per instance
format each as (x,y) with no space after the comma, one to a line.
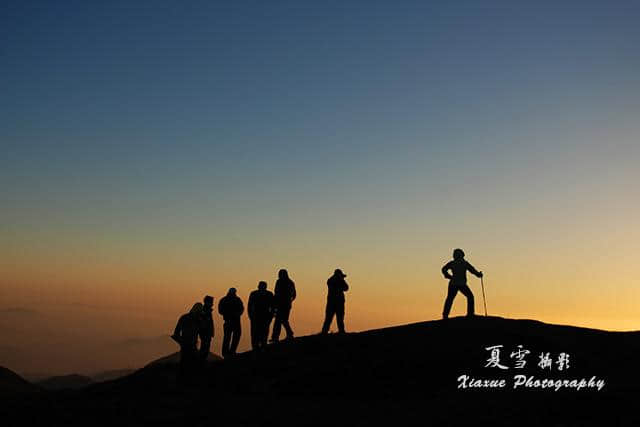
(406,375)
(174,359)
(13,384)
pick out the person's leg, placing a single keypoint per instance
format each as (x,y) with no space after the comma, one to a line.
(205,348)
(262,333)
(266,332)
(285,322)
(235,340)
(275,335)
(451,293)
(340,316)
(184,362)
(188,362)
(255,333)
(194,362)
(226,339)
(328,317)
(466,291)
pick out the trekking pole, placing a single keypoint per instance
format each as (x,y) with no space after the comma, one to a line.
(484,299)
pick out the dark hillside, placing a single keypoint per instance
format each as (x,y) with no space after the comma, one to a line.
(406,374)
(12,383)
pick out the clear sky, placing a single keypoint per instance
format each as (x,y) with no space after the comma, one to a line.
(153,152)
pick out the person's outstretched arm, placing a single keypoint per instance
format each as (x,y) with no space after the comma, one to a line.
(445,271)
(471,269)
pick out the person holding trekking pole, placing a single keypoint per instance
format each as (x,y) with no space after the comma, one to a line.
(456,271)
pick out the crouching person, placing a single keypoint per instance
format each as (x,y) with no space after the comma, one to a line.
(186,334)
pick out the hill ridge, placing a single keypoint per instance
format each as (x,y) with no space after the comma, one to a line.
(406,374)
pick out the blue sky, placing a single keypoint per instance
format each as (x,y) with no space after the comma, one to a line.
(240,109)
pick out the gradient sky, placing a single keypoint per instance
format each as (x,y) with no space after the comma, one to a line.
(153,152)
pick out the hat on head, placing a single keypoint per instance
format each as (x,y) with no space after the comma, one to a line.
(339,272)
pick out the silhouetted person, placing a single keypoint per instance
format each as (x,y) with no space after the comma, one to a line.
(260,309)
(335,301)
(231,308)
(206,328)
(186,334)
(458,282)
(284,294)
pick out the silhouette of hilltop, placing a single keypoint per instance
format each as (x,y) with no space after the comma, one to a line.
(12,383)
(110,375)
(398,375)
(62,382)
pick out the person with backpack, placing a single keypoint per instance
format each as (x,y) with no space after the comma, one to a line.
(284,294)
(456,271)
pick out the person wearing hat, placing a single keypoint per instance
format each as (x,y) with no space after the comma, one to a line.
(231,308)
(335,301)
(458,282)
(186,334)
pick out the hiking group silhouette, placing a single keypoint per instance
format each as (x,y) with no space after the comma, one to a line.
(264,306)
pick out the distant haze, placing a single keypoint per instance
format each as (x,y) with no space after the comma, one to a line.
(156,152)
